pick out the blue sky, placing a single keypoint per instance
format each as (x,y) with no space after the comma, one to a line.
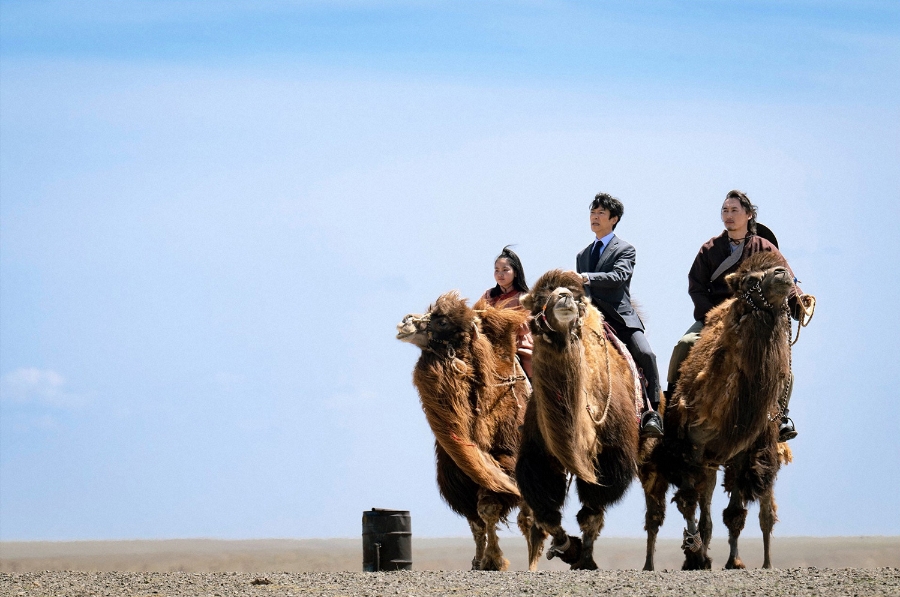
(212,217)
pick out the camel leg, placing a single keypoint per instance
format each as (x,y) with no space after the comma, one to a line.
(707,486)
(655,487)
(734,516)
(489,511)
(478,534)
(542,481)
(591,523)
(767,520)
(686,499)
(534,535)
(617,470)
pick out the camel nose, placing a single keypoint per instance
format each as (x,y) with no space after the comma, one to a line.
(564,292)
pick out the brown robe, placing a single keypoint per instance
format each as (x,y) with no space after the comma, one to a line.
(707,294)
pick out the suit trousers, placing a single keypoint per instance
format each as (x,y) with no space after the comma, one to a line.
(643,355)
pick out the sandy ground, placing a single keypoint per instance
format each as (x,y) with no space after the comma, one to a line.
(336,555)
(771,583)
(860,566)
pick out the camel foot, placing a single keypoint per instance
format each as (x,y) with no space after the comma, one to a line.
(476,564)
(589,564)
(570,555)
(734,564)
(694,561)
(496,564)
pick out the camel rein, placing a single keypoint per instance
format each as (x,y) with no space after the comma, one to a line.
(588,407)
(807,304)
(542,324)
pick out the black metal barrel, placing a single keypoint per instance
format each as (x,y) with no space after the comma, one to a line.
(387,540)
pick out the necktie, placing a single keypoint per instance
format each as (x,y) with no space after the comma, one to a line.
(595,255)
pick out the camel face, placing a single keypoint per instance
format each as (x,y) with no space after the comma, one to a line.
(564,310)
(413,329)
(776,284)
(769,287)
(557,304)
(446,321)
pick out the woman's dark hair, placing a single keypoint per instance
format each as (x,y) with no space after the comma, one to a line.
(749,208)
(519,282)
(610,204)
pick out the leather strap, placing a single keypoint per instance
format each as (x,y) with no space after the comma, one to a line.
(732,259)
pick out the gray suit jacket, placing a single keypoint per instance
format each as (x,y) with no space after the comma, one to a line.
(610,282)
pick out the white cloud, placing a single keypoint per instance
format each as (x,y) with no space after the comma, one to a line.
(30,385)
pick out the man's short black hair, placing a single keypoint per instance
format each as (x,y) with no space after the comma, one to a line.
(610,204)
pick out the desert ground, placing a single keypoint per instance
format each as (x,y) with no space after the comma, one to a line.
(345,555)
(326,567)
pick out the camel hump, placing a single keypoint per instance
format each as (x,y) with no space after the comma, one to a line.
(501,324)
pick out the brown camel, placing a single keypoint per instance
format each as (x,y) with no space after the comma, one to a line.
(473,392)
(582,419)
(725,413)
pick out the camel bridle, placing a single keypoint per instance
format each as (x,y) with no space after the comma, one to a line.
(783,310)
(510,381)
(756,289)
(807,304)
(544,329)
(425,320)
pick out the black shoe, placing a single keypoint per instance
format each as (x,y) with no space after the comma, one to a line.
(651,424)
(786,430)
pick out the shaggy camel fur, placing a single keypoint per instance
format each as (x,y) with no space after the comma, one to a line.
(725,412)
(473,392)
(582,419)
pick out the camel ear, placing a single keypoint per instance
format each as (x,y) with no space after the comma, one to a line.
(733,281)
(526,301)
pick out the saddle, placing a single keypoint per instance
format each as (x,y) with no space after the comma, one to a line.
(636,373)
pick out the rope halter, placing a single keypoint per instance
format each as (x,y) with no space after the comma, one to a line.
(749,298)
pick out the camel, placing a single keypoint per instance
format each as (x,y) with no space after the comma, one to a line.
(473,392)
(582,419)
(724,413)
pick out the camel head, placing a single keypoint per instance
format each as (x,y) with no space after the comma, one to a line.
(448,321)
(763,282)
(557,303)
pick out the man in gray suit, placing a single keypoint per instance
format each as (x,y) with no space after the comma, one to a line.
(606,266)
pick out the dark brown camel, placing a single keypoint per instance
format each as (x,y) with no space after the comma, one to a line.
(473,392)
(582,419)
(725,413)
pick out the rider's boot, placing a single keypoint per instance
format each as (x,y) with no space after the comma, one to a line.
(651,424)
